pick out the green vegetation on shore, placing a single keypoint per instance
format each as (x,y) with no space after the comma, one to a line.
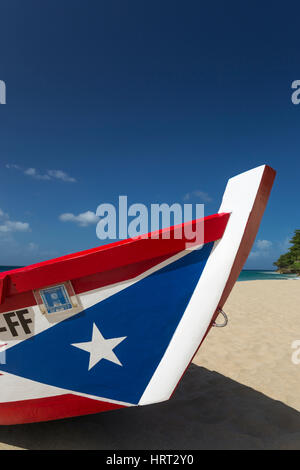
(290,261)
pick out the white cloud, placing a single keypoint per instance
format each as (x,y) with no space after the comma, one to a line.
(285,245)
(261,249)
(199,194)
(268,251)
(50,175)
(84,219)
(16,167)
(33,246)
(15,250)
(11,226)
(17,253)
(8,225)
(264,244)
(61,175)
(33,172)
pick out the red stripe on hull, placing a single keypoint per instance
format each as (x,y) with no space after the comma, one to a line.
(104,265)
(50,408)
(86,283)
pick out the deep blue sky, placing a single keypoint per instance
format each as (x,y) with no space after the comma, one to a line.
(151,99)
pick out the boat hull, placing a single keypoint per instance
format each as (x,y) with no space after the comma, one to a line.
(117,326)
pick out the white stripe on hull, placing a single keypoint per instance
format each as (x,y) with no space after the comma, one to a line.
(238,199)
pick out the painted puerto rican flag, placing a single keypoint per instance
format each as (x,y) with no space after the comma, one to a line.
(116,326)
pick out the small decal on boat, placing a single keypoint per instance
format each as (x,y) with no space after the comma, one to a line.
(57,302)
(56,299)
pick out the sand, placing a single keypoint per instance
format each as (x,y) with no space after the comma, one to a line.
(255,348)
(241,392)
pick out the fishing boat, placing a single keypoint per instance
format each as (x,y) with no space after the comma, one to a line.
(117,326)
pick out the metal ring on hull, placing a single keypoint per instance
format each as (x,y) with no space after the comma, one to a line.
(221,325)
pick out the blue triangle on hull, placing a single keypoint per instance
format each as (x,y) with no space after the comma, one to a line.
(147,313)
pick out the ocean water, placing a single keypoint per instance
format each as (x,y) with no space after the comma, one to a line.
(263,274)
(246,274)
(8,268)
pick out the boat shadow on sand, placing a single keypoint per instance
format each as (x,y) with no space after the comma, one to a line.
(207,411)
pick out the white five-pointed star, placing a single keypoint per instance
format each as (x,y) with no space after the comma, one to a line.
(100,348)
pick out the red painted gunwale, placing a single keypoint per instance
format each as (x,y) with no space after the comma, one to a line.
(104,265)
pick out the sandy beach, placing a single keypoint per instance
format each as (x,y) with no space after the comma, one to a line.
(240,392)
